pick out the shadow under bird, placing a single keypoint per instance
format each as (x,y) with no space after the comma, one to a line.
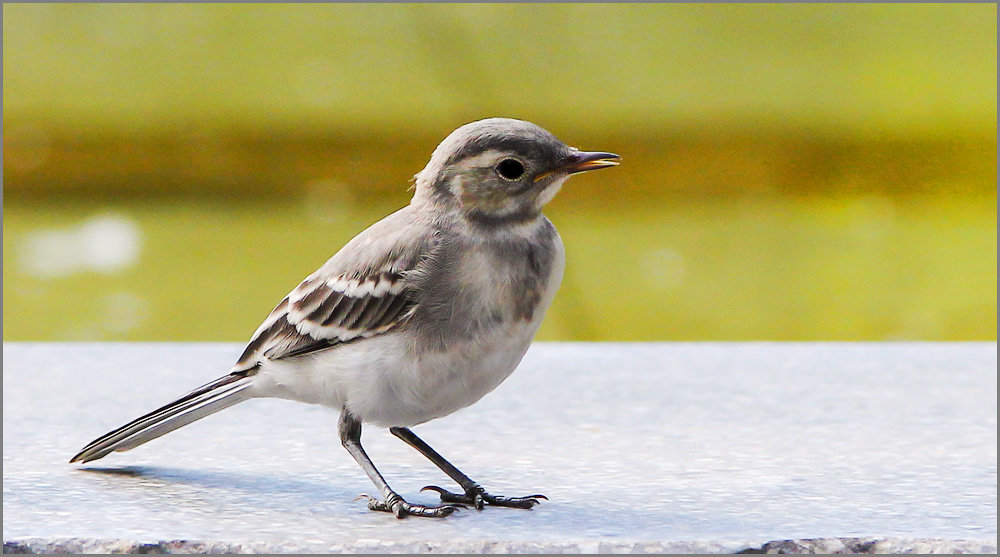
(423,313)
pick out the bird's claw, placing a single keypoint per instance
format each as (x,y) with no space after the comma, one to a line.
(478,498)
(398,506)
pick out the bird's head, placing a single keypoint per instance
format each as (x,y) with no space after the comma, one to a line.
(501,170)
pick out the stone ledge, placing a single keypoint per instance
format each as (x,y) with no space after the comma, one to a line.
(871,545)
(642,447)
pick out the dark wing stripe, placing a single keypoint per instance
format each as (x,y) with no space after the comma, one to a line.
(362,313)
(396,309)
(322,313)
(373,311)
(342,309)
(351,320)
(287,341)
(302,348)
(316,298)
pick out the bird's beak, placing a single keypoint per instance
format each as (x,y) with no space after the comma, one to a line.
(581,161)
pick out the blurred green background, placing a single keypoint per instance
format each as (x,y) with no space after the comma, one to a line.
(791,172)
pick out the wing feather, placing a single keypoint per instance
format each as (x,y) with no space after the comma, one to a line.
(341,311)
(362,291)
(396,306)
(370,315)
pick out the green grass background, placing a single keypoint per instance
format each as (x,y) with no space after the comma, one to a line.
(792,172)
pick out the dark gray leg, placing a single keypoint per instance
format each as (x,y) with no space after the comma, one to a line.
(474,493)
(350,437)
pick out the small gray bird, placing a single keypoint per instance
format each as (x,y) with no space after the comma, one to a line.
(418,316)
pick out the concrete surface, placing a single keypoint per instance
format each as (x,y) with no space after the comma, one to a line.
(704,447)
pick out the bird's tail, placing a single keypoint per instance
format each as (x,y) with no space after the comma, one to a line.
(207,399)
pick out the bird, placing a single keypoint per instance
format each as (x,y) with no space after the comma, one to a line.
(421,314)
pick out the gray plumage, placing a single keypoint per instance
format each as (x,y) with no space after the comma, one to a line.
(419,315)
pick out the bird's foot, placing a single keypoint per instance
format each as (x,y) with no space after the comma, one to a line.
(398,506)
(477,497)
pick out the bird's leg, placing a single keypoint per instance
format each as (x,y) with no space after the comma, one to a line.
(350,437)
(474,493)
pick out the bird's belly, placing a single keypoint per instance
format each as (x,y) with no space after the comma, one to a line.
(436,383)
(388,382)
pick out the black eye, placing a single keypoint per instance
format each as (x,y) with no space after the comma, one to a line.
(510,169)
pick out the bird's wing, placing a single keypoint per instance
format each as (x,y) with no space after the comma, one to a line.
(362,291)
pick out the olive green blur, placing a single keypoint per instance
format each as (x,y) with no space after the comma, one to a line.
(790,171)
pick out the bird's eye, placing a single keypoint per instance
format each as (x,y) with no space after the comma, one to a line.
(510,169)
